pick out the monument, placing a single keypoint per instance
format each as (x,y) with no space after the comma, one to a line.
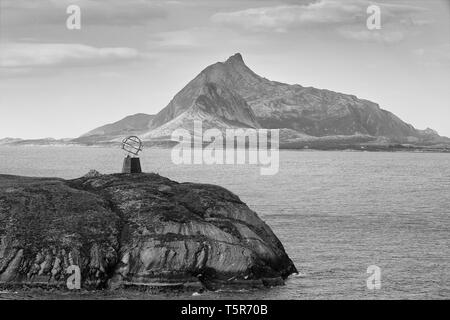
(131,164)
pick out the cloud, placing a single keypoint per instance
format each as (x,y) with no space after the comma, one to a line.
(184,39)
(435,56)
(32,55)
(284,17)
(93,12)
(388,35)
(348,18)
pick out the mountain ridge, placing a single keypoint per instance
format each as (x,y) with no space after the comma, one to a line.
(306,110)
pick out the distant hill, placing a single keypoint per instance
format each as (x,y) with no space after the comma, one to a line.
(8,140)
(131,125)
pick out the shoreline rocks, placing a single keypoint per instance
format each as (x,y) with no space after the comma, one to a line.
(140,232)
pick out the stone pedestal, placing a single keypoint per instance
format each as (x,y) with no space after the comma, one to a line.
(131,165)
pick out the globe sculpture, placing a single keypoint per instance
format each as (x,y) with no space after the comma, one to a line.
(132,146)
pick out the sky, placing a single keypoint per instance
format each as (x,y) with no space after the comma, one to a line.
(133,56)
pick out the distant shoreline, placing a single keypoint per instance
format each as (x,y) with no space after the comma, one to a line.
(340,148)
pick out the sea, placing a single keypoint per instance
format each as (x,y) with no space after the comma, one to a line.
(340,215)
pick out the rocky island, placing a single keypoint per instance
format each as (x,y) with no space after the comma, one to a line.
(230,95)
(137,231)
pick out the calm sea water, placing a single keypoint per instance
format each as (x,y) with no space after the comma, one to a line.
(337,213)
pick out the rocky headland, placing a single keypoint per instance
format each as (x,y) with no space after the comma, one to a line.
(139,231)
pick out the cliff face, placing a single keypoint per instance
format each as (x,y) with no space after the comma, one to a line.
(133,231)
(215,106)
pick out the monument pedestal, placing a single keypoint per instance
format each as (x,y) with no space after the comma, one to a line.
(131,165)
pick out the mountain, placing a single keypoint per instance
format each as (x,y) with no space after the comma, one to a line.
(230,95)
(215,105)
(9,140)
(134,123)
(35,142)
(131,125)
(208,100)
(309,110)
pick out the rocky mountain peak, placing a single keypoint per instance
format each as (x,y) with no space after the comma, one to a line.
(235,59)
(232,69)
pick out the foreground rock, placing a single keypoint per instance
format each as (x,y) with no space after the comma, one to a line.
(133,231)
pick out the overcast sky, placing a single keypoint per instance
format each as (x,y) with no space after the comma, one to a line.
(134,56)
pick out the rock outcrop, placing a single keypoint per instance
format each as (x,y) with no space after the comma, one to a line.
(141,231)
